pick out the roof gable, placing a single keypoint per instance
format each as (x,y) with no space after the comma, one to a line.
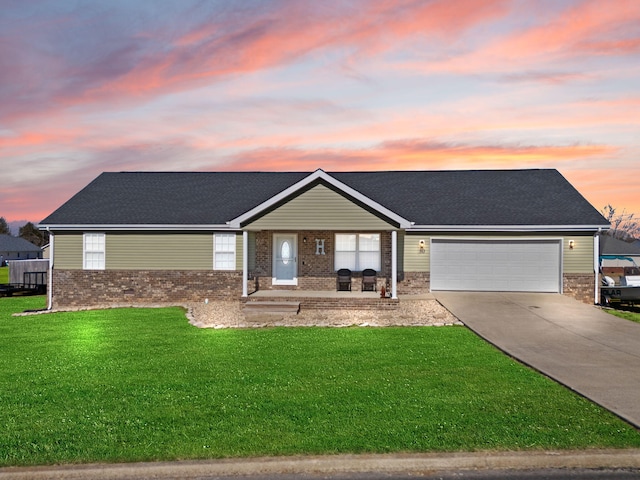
(320,208)
(316,178)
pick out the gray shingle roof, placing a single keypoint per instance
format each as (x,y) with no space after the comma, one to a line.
(16,244)
(478,197)
(613,246)
(170,198)
(463,197)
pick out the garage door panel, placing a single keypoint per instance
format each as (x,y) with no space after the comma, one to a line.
(495,265)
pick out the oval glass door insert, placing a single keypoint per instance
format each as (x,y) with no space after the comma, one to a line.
(285,252)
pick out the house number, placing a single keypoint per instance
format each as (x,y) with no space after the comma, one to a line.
(319,246)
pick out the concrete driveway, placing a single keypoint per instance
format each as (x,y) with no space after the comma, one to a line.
(578,345)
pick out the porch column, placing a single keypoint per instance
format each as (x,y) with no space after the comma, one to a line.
(50,271)
(245,262)
(394,264)
(596,267)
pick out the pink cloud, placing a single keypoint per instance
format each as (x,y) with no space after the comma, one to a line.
(140,63)
(588,28)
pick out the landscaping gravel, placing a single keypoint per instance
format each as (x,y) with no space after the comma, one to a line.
(229,314)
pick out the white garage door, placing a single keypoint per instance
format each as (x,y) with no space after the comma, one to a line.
(495,265)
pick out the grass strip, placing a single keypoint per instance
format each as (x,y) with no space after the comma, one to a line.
(630,314)
(142,384)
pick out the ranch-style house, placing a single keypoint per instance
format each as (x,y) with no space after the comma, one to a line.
(139,238)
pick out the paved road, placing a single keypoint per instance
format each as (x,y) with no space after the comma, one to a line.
(578,345)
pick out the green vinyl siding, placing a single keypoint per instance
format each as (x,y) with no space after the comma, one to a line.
(319,209)
(414,259)
(239,251)
(578,259)
(159,251)
(67,251)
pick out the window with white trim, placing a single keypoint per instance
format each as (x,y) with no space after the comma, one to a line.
(93,251)
(224,251)
(357,251)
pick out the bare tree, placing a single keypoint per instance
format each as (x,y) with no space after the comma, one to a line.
(624,226)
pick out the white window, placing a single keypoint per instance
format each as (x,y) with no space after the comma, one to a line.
(224,251)
(93,251)
(357,251)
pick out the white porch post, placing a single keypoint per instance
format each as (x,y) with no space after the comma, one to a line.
(50,273)
(245,262)
(394,264)
(596,266)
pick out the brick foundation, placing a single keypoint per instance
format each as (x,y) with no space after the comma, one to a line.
(579,286)
(81,288)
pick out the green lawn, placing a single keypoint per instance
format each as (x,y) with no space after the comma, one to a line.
(630,313)
(142,384)
(4,275)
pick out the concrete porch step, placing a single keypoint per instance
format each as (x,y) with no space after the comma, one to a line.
(271,307)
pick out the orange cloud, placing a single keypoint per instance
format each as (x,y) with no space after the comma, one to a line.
(608,184)
(414,154)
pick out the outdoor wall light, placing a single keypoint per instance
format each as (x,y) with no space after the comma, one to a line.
(571,244)
(422,246)
(304,240)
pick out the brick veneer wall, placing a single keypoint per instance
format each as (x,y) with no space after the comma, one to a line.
(413,283)
(579,286)
(74,288)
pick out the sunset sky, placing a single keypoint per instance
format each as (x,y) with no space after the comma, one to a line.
(106,85)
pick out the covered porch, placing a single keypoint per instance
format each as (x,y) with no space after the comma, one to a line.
(310,266)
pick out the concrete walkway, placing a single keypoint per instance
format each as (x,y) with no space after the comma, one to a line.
(578,345)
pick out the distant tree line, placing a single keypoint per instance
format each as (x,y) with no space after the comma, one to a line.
(28,231)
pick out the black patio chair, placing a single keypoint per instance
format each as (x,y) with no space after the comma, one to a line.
(369,281)
(343,282)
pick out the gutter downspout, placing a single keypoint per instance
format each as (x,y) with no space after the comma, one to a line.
(596,265)
(50,279)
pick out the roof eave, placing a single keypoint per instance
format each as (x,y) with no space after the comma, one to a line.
(508,228)
(134,227)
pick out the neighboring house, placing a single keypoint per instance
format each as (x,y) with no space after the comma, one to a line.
(16,248)
(136,237)
(616,254)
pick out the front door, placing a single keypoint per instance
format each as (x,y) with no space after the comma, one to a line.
(285,259)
